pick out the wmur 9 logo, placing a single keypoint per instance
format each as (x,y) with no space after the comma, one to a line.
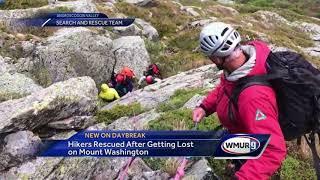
(240,145)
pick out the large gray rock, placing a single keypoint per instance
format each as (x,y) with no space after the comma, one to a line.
(194,101)
(147,29)
(311,28)
(86,168)
(6,67)
(156,175)
(104,167)
(139,28)
(190,10)
(18,147)
(75,122)
(137,168)
(76,96)
(223,10)
(132,30)
(200,170)
(9,17)
(84,6)
(138,122)
(316,37)
(314,32)
(131,51)
(100,168)
(71,52)
(28,47)
(271,18)
(16,85)
(312,51)
(152,95)
(38,168)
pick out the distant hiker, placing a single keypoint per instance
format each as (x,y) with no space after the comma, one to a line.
(108,94)
(122,82)
(151,75)
(256,111)
(153,70)
(148,80)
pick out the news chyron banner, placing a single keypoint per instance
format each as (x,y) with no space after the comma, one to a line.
(158,143)
(74,20)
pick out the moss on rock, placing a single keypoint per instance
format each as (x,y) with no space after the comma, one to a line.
(118,111)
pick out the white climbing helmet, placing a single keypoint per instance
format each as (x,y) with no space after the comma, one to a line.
(218,39)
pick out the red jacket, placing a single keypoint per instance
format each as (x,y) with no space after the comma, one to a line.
(252,101)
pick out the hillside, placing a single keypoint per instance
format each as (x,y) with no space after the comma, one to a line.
(50,78)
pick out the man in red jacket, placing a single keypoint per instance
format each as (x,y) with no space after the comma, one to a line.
(257,106)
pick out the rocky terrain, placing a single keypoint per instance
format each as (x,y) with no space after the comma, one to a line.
(50,79)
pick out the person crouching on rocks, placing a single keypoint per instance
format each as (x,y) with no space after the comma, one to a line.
(108,94)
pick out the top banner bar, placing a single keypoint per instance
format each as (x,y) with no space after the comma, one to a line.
(76,15)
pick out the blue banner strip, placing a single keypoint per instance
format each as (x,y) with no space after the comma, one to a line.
(157,143)
(76,22)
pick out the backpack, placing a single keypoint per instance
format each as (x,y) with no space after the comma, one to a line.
(297,86)
(153,69)
(128,72)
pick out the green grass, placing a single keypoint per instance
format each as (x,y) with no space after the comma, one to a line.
(41,75)
(218,167)
(177,54)
(101,103)
(279,34)
(306,7)
(155,163)
(185,40)
(174,52)
(290,37)
(174,62)
(293,16)
(170,119)
(155,49)
(293,168)
(245,32)
(10,47)
(23,4)
(60,9)
(4,96)
(118,111)
(178,99)
(183,118)
(166,16)
(241,8)
(261,3)
(203,4)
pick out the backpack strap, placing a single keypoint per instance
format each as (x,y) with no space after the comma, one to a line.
(242,84)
